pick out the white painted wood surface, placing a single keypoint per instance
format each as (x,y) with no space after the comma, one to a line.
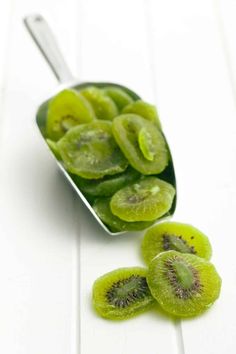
(178,54)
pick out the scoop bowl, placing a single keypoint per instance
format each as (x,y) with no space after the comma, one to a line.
(45,40)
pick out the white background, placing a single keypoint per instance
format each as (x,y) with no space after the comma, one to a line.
(180,55)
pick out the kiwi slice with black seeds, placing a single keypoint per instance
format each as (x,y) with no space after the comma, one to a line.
(175,236)
(183,284)
(122,293)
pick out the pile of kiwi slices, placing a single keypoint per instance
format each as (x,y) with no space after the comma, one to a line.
(112,145)
(179,277)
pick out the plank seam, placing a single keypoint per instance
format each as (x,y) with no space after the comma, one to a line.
(179,337)
(79,31)
(78,68)
(225,47)
(151,52)
(76,333)
(151,55)
(6,63)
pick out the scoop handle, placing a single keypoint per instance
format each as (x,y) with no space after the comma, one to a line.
(46,42)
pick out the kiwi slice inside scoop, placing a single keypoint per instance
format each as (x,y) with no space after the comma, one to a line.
(145,200)
(145,110)
(119,96)
(66,110)
(108,185)
(90,151)
(142,143)
(102,208)
(104,107)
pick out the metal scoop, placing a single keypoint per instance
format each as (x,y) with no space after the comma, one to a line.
(44,38)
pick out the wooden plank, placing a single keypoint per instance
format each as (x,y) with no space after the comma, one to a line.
(197,107)
(5,32)
(114,47)
(225,14)
(39,244)
(114,44)
(4,39)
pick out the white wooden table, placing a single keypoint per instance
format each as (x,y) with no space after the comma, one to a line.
(180,55)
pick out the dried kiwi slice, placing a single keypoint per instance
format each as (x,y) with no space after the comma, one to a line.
(66,110)
(175,236)
(119,96)
(103,210)
(145,110)
(103,105)
(183,284)
(90,151)
(122,293)
(108,185)
(141,142)
(145,200)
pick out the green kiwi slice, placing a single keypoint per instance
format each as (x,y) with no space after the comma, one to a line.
(183,284)
(104,107)
(102,208)
(108,185)
(119,96)
(90,151)
(66,110)
(175,236)
(122,293)
(145,200)
(145,110)
(141,142)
